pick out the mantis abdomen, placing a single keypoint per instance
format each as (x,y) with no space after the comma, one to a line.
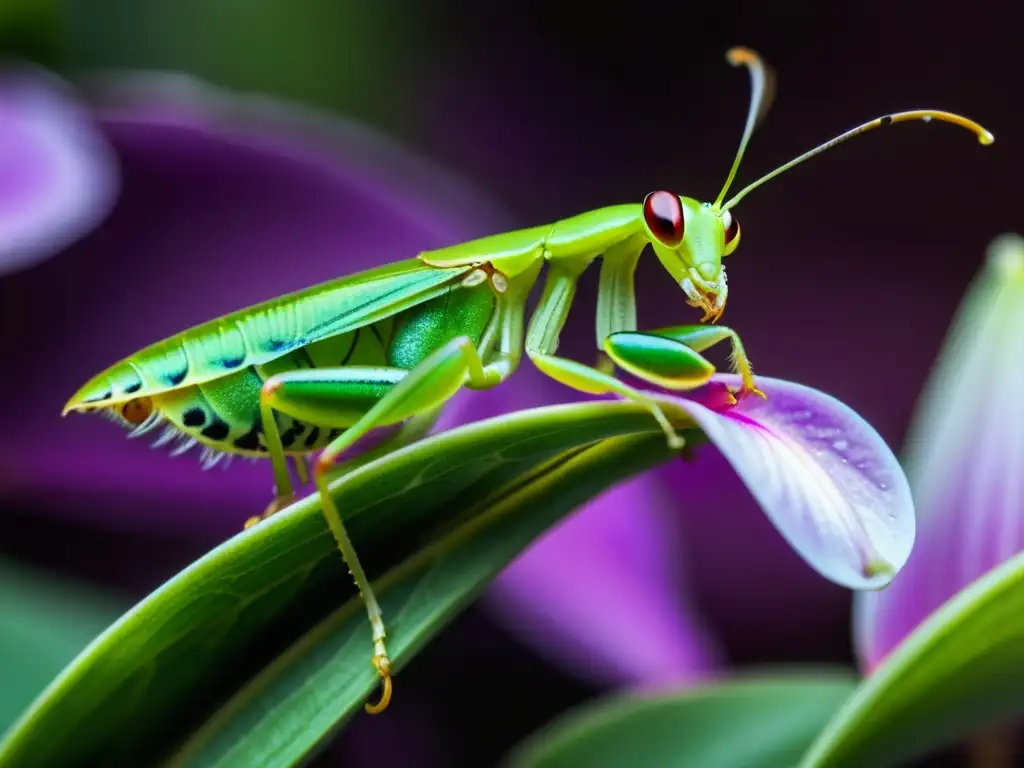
(223,414)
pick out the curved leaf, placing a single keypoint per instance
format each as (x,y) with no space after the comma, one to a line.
(324,679)
(956,674)
(156,674)
(765,722)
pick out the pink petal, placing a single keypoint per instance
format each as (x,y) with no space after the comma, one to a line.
(964,457)
(822,475)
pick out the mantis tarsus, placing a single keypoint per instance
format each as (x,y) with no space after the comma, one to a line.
(318,369)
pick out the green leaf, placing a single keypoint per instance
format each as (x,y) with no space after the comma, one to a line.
(451,511)
(765,721)
(325,678)
(44,623)
(957,673)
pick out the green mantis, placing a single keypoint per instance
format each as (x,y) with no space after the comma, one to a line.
(317,370)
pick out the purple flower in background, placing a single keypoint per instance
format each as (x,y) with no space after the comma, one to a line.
(604,594)
(965,454)
(58,174)
(225,201)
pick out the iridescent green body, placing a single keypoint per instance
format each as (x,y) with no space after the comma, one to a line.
(318,369)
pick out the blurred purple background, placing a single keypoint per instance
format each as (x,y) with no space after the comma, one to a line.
(846,280)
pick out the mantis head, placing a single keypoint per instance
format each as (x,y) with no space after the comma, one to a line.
(691,238)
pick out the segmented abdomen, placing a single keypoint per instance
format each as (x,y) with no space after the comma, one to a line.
(224,413)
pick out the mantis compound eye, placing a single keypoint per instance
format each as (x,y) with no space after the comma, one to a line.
(663,214)
(731,226)
(137,411)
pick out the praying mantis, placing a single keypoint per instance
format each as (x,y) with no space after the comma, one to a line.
(317,370)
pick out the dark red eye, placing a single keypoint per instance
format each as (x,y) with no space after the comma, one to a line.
(732,226)
(664,216)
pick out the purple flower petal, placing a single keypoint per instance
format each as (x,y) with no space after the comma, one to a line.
(589,593)
(964,458)
(226,201)
(822,475)
(58,175)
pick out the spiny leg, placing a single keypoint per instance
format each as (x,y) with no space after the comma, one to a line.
(282,500)
(301,468)
(321,395)
(284,491)
(654,356)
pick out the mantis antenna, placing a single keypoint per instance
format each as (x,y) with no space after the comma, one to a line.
(762,85)
(984,137)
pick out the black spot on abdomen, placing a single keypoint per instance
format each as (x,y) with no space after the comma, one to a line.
(218,430)
(250,441)
(175,378)
(105,395)
(193,417)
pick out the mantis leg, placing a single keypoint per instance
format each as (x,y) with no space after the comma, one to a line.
(542,342)
(413,429)
(657,357)
(592,381)
(326,395)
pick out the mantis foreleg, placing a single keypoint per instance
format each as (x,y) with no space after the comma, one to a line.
(668,357)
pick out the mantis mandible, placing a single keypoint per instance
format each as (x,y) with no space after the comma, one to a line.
(318,369)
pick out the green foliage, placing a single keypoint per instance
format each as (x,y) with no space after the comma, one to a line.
(44,623)
(259,652)
(439,519)
(957,674)
(767,723)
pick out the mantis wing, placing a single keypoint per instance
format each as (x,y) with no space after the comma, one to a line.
(261,333)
